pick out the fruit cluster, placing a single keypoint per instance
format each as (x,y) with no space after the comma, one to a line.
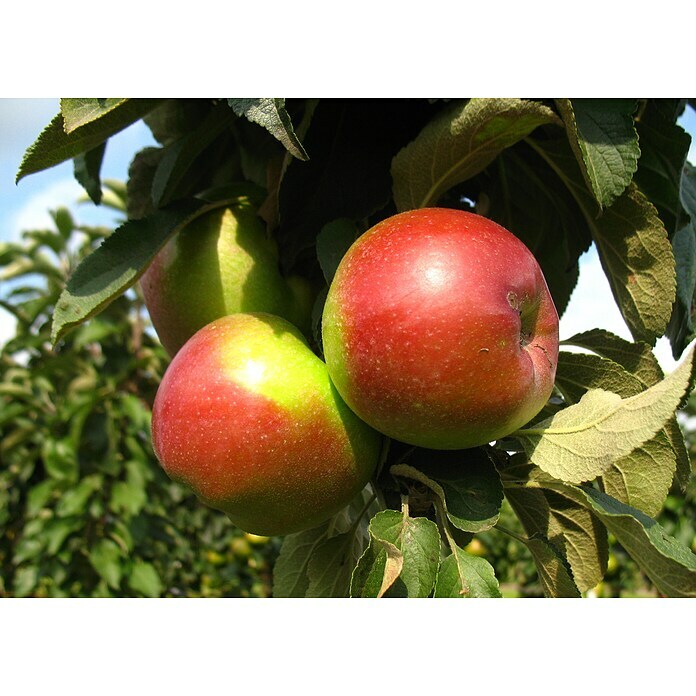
(438,331)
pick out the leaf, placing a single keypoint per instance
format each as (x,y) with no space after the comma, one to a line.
(604,139)
(74,501)
(401,547)
(179,157)
(664,148)
(54,145)
(643,477)
(459,143)
(574,532)
(87,167)
(582,441)
(633,247)
(60,459)
(79,112)
(25,580)
(118,263)
(466,482)
(271,115)
(290,577)
(640,361)
(145,579)
(331,565)
(464,575)
(141,172)
(669,565)
(105,557)
(333,242)
(554,575)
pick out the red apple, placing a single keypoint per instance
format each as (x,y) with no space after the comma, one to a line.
(439,330)
(221,263)
(247,417)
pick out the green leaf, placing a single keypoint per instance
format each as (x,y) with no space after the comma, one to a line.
(118,263)
(664,148)
(105,557)
(58,530)
(401,547)
(145,579)
(582,441)
(271,115)
(575,534)
(74,500)
(87,166)
(604,139)
(333,242)
(554,575)
(79,112)
(331,565)
(680,329)
(178,158)
(669,565)
(464,575)
(633,247)
(60,459)
(466,482)
(54,145)
(459,143)
(25,580)
(141,172)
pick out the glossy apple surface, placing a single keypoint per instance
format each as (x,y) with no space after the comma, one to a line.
(439,330)
(247,417)
(221,263)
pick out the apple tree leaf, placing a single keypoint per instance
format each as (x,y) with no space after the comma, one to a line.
(105,557)
(79,112)
(633,247)
(333,242)
(583,440)
(87,167)
(670,565)
(464,575)
(401,548)
(575,534)
(331,565)
(272,115)
(290,577)
(120,260)
(639,360)
(554,574)
(603,137)
(145,579)
(460,142)
(54,145)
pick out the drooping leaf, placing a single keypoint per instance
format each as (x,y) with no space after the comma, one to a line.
(664,147)
(87,167)
(377,570)
(669,565)
(463,575)
(459,143)
(681,329)
(118,263)
(603,137)
(272,115)
(54,145)
(554,575)
(633,247)
(583,440)
(575,534)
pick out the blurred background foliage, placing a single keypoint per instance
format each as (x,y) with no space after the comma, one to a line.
(85,510)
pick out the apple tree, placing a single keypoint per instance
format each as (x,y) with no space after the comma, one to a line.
(606,450)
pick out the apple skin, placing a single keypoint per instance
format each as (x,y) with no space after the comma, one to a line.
(221,263)
(247,417)
(439,330)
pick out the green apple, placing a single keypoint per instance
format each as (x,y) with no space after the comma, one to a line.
(221,263)
(439,330)
(247,417)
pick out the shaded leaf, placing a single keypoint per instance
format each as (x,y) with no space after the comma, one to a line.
(331,565)
(333,242)
(459,143)
(554,575)
(290,577)
(87,167)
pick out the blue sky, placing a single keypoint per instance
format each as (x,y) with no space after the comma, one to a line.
(25,206)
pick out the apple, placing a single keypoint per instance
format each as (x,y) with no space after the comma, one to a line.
(247,417)
(221,263)
(439,330)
